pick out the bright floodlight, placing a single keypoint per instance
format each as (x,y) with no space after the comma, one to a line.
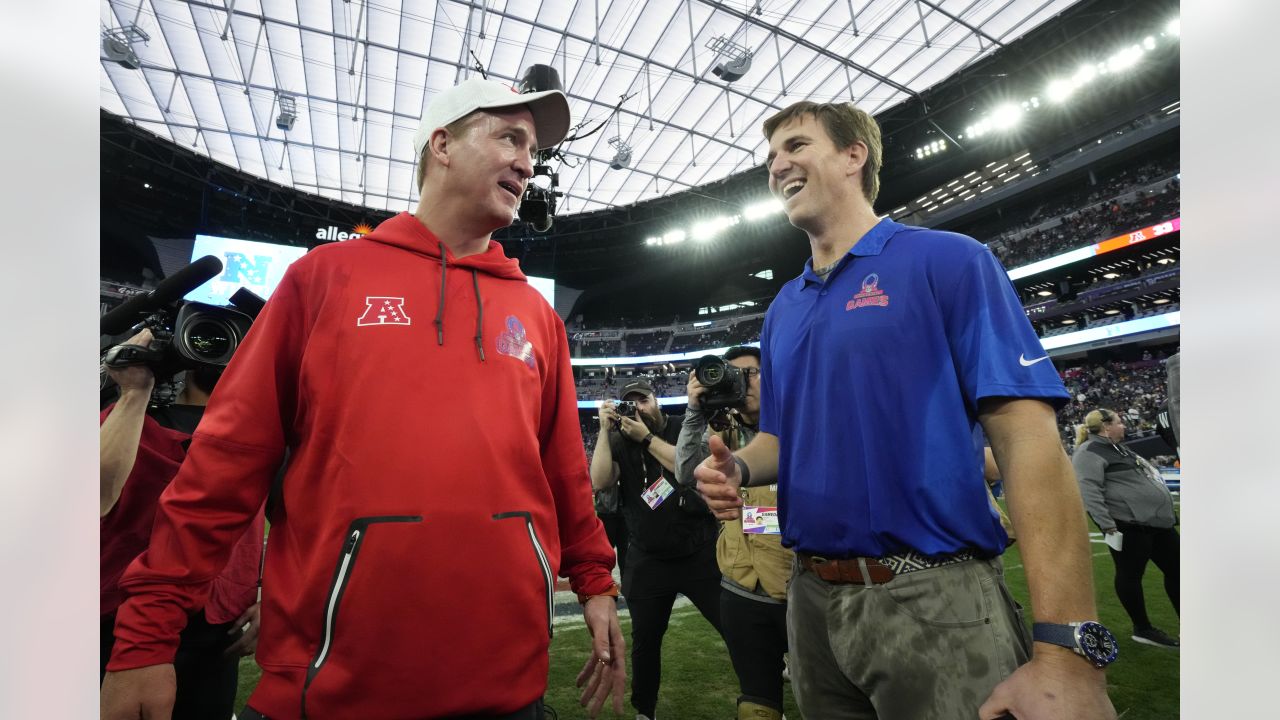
(1059,90)
(1125,59)
(653,241)
(708,229)
(1174,27)
(673,237)
(1149,43)
(762,209)
(1084,75)
(1006,116)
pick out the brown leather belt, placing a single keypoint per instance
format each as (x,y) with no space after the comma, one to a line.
(874,571)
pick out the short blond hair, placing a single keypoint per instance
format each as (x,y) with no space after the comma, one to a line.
(845,125)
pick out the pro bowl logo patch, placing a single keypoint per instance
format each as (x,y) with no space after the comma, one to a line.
(870,296)
(383,311)
(513,342)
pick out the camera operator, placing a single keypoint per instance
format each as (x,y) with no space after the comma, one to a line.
(754,567)
(141,449)
(672,534)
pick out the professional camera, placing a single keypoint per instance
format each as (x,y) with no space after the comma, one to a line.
(185,335)
(626,408)
(538,206)
(726,384)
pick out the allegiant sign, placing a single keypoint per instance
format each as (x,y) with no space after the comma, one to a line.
(331,233)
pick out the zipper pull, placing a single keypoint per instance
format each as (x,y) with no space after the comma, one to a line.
(351,542)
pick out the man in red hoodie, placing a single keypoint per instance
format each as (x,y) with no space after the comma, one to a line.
(436,482)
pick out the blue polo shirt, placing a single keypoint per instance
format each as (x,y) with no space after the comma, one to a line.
(871,382)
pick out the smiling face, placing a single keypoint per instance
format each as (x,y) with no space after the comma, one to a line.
(488,161)
(809,173)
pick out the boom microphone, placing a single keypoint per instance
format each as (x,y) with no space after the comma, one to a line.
(169,290)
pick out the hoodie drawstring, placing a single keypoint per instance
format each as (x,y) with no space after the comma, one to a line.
(439,321)
(444,270)
(475,280)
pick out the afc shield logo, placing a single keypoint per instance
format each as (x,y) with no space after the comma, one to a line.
(513,342)
(383,311)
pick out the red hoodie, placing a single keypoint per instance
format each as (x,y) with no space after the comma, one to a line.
(436,487)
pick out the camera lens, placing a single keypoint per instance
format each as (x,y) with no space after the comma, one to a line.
(210,341)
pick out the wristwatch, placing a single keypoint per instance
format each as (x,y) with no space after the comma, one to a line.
(647,439)
(1090,639)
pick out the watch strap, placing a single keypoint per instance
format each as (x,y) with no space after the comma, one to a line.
(1055,634)
(647,439)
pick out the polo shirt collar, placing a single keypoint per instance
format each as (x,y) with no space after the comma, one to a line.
(872,243)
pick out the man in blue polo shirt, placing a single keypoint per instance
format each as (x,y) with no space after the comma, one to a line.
(880,362)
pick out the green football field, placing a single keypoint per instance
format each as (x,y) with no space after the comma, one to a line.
(698,681)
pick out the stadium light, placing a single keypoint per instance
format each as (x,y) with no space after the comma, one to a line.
(673,237)
(1125,59)
(1174,27)
(1059,90)
(1084,75)
(708,229)
(1006,116)
(762,209)
(653,241)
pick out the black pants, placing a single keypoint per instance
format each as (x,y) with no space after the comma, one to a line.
(650,586)
(756,634)
(206,678)
(1140,545)
(615,528)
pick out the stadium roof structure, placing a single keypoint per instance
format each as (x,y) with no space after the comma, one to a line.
(349,78)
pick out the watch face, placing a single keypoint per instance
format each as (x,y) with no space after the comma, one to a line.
(1097,643)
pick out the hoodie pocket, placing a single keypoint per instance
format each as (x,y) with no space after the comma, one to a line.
(342,574)
(423,613)
(544,566)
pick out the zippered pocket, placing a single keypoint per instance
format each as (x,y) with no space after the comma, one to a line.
(356,532)
(543,564)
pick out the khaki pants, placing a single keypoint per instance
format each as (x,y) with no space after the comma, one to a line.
(927,645)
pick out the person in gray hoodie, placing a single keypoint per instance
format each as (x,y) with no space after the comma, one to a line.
(1129,501)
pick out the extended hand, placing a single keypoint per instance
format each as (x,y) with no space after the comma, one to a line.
(605,673)
(145,693)
(718,480)
(1051,688)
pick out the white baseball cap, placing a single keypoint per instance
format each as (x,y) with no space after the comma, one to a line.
(550,110)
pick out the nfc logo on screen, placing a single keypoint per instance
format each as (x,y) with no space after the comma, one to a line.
(239,269)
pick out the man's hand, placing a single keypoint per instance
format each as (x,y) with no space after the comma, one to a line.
(695,391)
(605,673)
(1056,685)
(718,480)
(247,626)
(635,430)
(145,693)
(135,377)
(608,415)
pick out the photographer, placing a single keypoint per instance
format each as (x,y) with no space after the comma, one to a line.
(141,449)
(672,535)
(754,566)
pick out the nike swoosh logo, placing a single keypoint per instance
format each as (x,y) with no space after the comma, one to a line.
(1024,362)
